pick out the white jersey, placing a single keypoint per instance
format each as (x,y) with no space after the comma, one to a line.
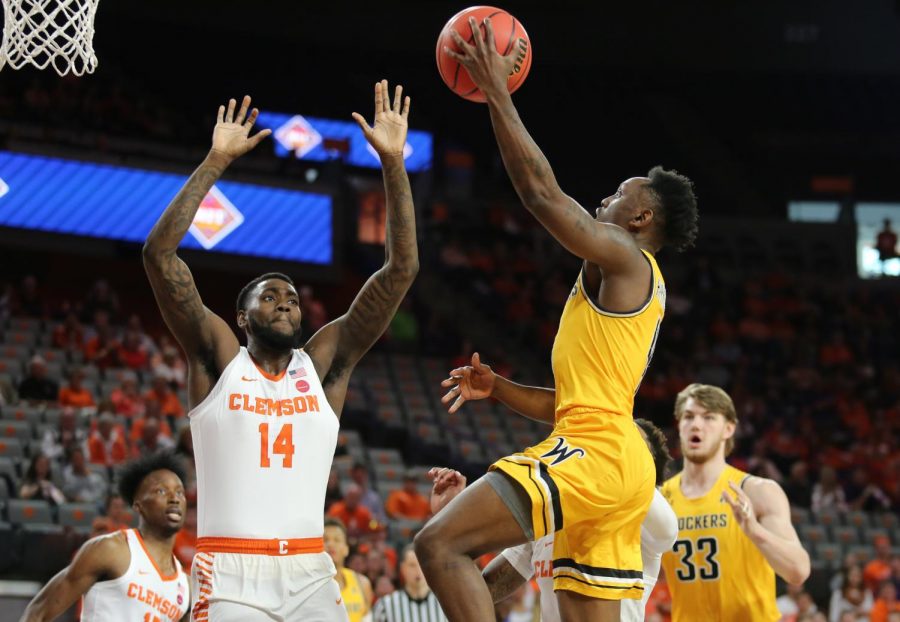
(658,534)
(141,594)
(263,446)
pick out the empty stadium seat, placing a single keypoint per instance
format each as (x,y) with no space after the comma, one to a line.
(77,514)
(813,533)
(830,553)
(11,448)
(828,517)
(25,324)
(386,456)
(22,511)
(11,366)
(15,351)
(860,520)
(7,540)
(846,535)
(23,412)
(10,428)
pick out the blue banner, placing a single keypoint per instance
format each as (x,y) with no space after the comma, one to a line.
(311,138)
(114,202)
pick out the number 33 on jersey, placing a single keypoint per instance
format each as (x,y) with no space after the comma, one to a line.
(714,571)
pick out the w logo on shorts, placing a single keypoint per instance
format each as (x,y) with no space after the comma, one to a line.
(562,452)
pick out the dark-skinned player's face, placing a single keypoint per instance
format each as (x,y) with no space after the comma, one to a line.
(161,502)
(625,204)
(273,315)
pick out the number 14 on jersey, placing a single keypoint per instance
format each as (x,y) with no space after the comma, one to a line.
(284,445)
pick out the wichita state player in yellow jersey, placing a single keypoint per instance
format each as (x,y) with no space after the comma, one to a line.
(734,529)
(356,590)
(592,480)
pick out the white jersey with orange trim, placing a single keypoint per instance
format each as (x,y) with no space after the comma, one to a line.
(141,594)
(263,446)
(658,533)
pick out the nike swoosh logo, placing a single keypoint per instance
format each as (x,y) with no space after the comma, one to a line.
(246,379)
(338,601)
(143,572)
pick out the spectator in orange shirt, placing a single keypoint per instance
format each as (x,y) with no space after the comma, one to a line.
(408,502)
(103,348)
(126,398)
(70,334)
(352,513)
(879,569)
(132,352)
(886,603)
(162,393)
(106,444)
(75,394)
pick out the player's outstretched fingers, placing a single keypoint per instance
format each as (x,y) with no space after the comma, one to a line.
(229,114)
(242,113)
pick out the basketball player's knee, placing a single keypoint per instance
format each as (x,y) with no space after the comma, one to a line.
(429,542)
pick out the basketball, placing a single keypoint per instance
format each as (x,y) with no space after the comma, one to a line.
(509,36)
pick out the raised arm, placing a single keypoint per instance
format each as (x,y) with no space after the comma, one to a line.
(478,381)
(337,347)
(763,512)
(207,340)
(94,562)
(609,246)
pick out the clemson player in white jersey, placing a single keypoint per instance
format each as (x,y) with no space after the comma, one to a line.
(131,574)
(516,565)
(264,417)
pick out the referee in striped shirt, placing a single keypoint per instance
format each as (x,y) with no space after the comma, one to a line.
(415,602)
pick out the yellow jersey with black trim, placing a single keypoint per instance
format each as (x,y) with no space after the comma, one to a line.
(353,596)
(714,571)
(599,356)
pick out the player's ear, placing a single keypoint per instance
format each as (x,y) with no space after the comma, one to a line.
(643,218)
(241,318)
(730,428)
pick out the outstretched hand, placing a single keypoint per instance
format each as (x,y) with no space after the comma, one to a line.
(472,382)
(388,136)
(742,507)
(488,69)
(231,136)
(447,484)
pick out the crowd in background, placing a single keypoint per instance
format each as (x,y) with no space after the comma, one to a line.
(810,360)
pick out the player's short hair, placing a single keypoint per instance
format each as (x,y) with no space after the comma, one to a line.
(245,292)
(674,194)
(659,448)
(134,472)
(713,399)
(331,521)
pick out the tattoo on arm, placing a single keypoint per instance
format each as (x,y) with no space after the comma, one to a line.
(503,581)
(377,301)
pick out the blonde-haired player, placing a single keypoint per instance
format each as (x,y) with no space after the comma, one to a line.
(734,529)
(356,589)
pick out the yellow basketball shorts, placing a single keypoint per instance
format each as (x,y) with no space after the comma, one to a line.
(590,482)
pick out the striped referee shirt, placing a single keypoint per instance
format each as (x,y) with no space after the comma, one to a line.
(401,607)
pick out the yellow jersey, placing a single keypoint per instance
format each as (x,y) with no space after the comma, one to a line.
(600,357)
(353,596)
(714,571)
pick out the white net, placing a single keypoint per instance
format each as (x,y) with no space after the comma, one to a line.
(49,32)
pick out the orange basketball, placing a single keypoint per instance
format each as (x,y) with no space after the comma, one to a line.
(509,36)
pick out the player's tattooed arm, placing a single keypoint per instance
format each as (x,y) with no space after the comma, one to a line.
(337,347)
(502,578)
(197,329)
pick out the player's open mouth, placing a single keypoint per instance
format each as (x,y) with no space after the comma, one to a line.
(695,440)
(173,515)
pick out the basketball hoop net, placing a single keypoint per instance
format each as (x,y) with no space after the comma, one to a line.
(49,32)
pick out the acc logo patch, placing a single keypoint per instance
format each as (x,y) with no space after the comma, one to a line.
(216,218)
(297,135)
